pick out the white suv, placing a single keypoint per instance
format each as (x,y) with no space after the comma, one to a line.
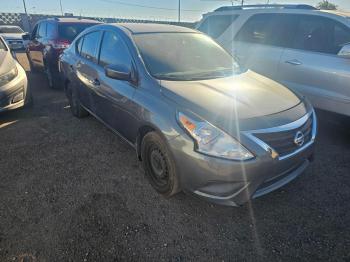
(304,48)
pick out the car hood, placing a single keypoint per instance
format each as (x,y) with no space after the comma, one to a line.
(6,62)
(239,97)
(13,36)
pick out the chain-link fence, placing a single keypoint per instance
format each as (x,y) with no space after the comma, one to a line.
(27,22)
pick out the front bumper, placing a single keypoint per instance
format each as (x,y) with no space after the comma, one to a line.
(233,182)
(13,94)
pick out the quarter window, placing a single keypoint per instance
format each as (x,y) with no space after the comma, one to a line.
(90,45)
(216,25)
(114,51)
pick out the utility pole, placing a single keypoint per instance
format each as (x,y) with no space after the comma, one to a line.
(25,8)
(242,2)
(179,14)
(61,7)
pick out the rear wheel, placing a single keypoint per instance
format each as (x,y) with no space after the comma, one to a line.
(159,165)
(75,106)
(53,80)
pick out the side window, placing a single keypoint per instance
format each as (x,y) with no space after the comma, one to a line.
(78,45)
(51,30)
(34,32)
(216,25)
(114,51)
(42,30)
(256,30)
(90,44)
(320,34)
(269,29)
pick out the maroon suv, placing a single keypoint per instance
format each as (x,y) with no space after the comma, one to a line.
(48,40)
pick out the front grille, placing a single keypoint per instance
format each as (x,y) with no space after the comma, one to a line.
(283,142)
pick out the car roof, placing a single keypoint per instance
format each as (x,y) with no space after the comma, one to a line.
(138,28)
(10,26)
(72,20)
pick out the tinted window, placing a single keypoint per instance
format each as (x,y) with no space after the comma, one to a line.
(269,29)
(42,30)
(2,45)
(320,34)
(90,44)
(184,56)
(79,44)
(114,51)
(69,31)
(216,25)
(51,30)
(11,30)
(34,32)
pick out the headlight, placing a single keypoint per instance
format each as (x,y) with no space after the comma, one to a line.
(9,76)
(213,141)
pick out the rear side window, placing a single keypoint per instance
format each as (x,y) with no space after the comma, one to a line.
(78,45)
(69,31)
(216,25)
(90,45)
(42,30)
(269,29)
(320,34)
(114,51)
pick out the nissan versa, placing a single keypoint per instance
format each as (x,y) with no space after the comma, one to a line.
(196,120)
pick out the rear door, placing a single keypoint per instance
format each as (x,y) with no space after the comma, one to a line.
(260,42)
(86,69)
(114,97)
(36,44)
(312,67)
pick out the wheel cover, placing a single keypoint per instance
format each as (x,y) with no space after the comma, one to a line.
(159,167)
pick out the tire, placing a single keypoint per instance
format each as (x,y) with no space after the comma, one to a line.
(159,165)
(53,81)
(75,106)
(28,102)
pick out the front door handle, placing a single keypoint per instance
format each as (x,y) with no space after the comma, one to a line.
(95,82)
(294,62)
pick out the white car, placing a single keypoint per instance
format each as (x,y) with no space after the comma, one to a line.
(305,49)
(14,89)
(13,36)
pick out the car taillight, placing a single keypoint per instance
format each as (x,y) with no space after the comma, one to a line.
(60,44)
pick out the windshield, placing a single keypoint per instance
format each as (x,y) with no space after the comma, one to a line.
(11,30)
(184,56)
(69,31)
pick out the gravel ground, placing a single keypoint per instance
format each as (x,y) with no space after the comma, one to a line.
(71,190)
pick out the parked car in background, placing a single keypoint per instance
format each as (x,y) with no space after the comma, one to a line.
(13,36)
(48,40)
(196,120)
(305,49)
(14,89)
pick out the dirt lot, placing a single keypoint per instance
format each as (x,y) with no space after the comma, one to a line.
(71,190)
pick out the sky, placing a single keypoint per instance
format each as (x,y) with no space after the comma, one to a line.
(166,10)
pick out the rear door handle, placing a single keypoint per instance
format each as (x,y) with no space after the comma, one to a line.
(294,62)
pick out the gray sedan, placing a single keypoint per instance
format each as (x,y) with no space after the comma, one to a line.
(197,121)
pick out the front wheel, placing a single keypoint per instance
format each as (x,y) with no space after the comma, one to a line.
(159,165)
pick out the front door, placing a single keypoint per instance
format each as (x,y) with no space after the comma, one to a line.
(114,98)
(311,66)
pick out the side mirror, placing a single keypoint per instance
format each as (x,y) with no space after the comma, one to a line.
(119,72)
(26,37)
(345,51)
